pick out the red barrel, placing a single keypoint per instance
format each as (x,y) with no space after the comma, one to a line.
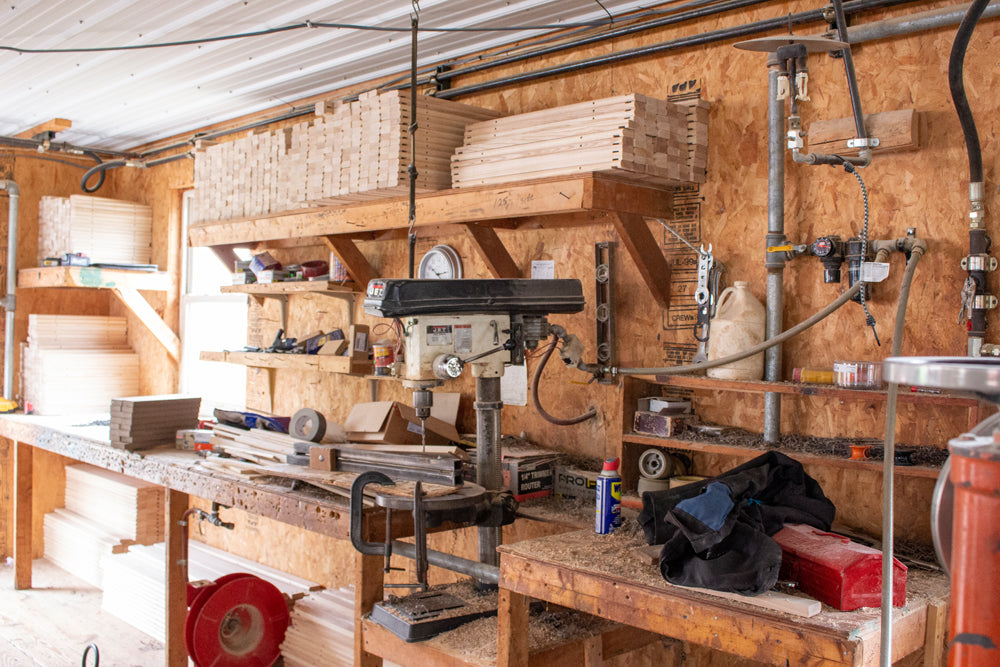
(975,558)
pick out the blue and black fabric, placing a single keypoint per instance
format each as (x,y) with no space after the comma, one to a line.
(717,533)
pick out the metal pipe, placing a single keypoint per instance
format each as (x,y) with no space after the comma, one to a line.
(745,30)
(775,262)
(916,250)
(489,474)
(852,79)
(9,302)
(919,22)
(482,572)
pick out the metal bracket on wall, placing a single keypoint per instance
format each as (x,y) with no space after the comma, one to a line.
(604,297)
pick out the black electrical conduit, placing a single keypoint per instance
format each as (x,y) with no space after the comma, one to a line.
(700,39)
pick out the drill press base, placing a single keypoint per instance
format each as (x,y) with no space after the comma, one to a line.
(423,615)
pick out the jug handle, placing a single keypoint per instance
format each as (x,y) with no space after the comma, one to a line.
(725,294)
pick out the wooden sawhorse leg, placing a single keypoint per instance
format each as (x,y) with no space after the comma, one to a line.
(512,629)
(176,588)
(23,515)
(368,580)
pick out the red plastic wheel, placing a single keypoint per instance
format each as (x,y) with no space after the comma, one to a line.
(239,622)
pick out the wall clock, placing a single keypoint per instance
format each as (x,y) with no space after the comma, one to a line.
(440,263)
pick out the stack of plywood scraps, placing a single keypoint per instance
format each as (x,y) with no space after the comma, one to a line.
(75,364)
(348,152)
(105,230)
(134,583)
(632,135)
(142,422)
(105,513)
(257,444)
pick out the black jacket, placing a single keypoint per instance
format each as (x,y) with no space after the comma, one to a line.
(716,533)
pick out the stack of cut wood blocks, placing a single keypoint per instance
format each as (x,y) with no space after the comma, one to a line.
(348,152)
(321,630)
(75,364)
(257,445)
(632,135)
(142,422)
(105,230)
(134,583)
(104,514)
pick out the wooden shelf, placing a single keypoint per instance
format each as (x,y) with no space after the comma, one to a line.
(301,362)
(565,201)
(92,276)
(750,452)
(803,389)
(125,285)
(328,287)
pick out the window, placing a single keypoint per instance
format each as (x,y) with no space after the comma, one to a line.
(210,320)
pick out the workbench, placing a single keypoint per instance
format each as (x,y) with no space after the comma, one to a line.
(595,574)
(181,475)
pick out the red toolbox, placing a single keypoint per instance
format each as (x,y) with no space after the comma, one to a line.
(835,570)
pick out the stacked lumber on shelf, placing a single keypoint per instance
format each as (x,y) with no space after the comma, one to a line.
(141,422)
(134,583)
(633,135)
(321,630)
(104,514)
(348,152)
(105,230)
(125,506)
(75,364)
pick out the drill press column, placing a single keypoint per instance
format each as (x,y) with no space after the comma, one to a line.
(489,474)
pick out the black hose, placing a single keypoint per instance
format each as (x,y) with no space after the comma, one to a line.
(100,181)
(956,72)
(592,412)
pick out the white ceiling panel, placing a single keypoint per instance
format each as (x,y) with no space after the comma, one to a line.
(122,99)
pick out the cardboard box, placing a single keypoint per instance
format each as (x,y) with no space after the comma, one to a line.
(397,423)
(662,405)
(529,474)
(575,483)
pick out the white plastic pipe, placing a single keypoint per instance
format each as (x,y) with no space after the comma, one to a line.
(9,300)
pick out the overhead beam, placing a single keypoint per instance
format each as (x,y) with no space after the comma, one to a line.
(54,125)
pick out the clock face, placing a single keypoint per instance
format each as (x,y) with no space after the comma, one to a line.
(440,263)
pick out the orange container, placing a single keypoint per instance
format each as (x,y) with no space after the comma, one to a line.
(975,557)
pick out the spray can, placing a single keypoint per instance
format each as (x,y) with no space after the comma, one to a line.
(609,498)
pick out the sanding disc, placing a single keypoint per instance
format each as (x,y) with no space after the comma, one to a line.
(239,622)
(308,424)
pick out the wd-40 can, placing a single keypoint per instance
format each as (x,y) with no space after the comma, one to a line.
(609,498)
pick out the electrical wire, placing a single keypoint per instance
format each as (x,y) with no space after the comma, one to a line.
(592,412)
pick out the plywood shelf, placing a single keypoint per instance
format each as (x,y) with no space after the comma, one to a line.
(804,389)
(301,362)
(329,287)
(750,452)
(563,201)
(92,276)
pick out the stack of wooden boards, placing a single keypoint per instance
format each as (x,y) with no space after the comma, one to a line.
(348,152)
(633,135)
(141,422)
(321,631)
(134,583)
(257,445)
(105,230)
(75,364)
(104,514)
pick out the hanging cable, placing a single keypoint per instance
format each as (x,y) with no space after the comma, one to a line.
(869,319)
(411,233)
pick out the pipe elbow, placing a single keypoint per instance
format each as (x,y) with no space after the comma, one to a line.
(11,187)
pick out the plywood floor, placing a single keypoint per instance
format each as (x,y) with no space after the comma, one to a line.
(53,623)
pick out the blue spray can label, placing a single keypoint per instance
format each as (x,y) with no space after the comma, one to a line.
(609,498)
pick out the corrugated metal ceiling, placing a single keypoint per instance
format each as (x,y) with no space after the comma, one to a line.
(123,99)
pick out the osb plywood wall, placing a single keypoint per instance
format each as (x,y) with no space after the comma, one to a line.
(925,189)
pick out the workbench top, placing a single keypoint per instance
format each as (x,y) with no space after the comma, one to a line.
(86,438)
(599,575)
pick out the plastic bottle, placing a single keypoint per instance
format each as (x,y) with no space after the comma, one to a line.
(738,325)
(609,498)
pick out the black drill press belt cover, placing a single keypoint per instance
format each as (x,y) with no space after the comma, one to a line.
(402,298)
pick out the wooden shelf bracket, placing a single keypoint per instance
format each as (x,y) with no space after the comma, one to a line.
(139,307)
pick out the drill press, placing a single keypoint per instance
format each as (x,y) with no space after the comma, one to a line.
(485,324)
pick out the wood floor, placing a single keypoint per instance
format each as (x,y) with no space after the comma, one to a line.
(51,625)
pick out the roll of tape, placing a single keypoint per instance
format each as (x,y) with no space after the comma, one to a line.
(683,480)
(317,267)
(308,424)
(647,485)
